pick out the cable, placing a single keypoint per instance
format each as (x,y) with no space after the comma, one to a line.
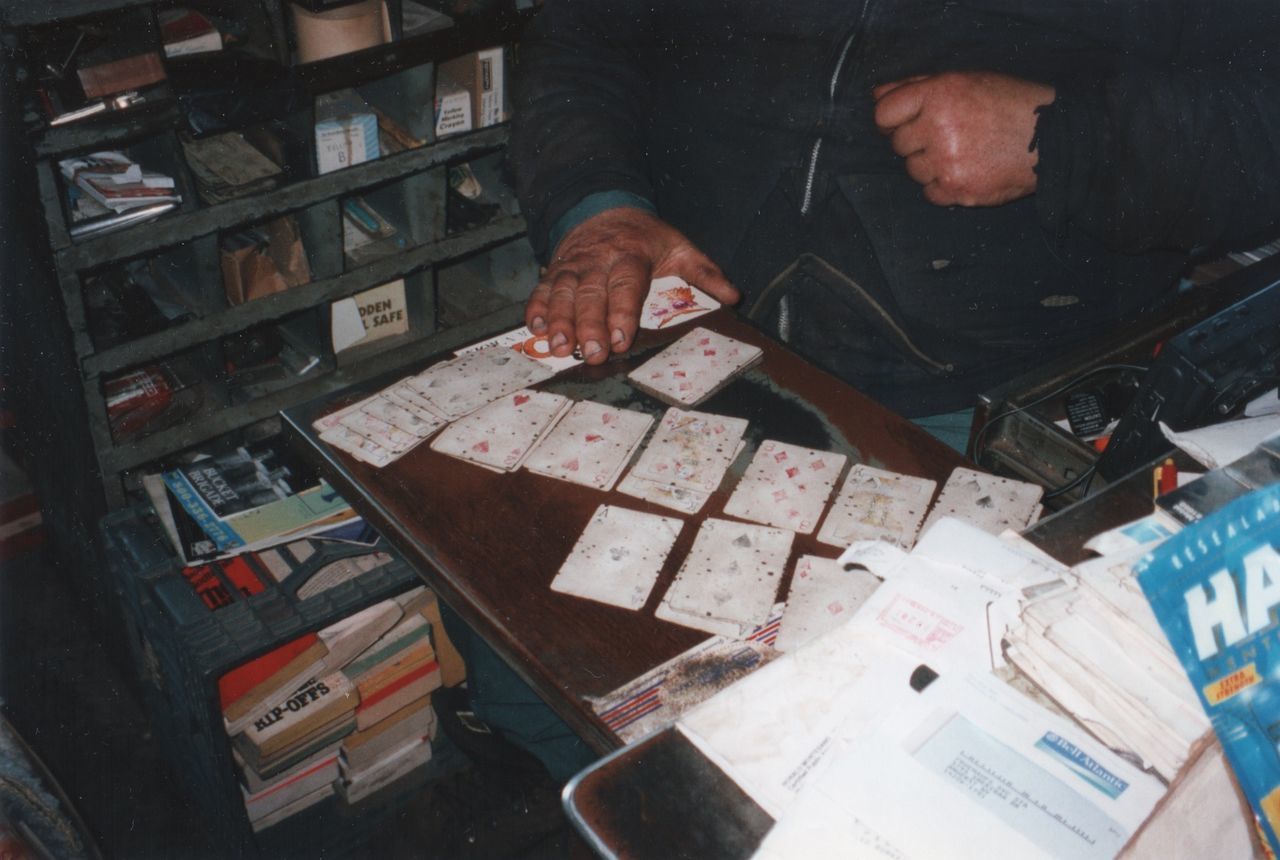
(1086,476)
(982,431)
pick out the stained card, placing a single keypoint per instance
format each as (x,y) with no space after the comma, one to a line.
(672,301)
(500,434)
(375,429)
(992,504)
(694,367)
(405,394)
(527,343)
(462,385)
(358,446)
(877,505)
(416,422)
(676,498)
(618,557)
(729,580)
(786,486)
(591,445)
(823,596)
(691,450)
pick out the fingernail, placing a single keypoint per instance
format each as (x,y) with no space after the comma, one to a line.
(590,348)
(559,340)
(538,325)
(618,336)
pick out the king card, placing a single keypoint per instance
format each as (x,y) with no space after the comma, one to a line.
(877,505)
(618,557)
(691,450)
(672,301)
(786,486)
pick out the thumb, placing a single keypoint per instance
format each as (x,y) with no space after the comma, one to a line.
(697,270)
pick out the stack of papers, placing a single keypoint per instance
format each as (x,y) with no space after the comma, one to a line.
(1096,648)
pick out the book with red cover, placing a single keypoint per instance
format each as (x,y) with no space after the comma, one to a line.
(240,680)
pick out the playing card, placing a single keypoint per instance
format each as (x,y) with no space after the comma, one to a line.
(992,504)
(675,498)
(527,343)
(672,301)
(358,446)
(500,434)
(462,385)
(405,394)
(729,580)
(877,505)
(618,557)
(823,596)
(590,445)
(377,430)
(334,419)
(691,450)
(418,423)
(786,486)
(694,367)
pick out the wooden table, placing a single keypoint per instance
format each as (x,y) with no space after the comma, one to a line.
(490,544)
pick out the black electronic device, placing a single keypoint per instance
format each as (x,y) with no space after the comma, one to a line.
(1204,374)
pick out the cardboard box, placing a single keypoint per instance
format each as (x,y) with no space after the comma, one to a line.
(482,76)
(346,131)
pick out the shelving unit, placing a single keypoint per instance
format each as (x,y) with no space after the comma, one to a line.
(187,240)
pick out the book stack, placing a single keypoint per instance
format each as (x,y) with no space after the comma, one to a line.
(345,710)
(118,183)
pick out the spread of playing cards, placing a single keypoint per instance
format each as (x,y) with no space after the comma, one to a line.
(659,464)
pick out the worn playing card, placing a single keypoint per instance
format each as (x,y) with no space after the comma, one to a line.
(691,450)
(676,498)
(334,419)
(992,504)
(672,301)
(823,596)
(729,580)
(786,486)
(462,385)
(877,505)
(618,557)
(358,446)
(590,445)
(416,422)
(377,430)
(529,344)
(500,434)
(405,394)
(694,367)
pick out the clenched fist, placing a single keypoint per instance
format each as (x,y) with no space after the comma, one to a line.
(966,136)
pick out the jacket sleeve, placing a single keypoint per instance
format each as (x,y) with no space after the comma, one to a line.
(582,99)
(1183,157)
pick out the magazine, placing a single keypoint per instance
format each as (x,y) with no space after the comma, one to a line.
(1215,587)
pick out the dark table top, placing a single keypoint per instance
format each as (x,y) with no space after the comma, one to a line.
(490,544)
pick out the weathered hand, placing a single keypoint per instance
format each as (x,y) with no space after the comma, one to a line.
(966,136)
(590,294)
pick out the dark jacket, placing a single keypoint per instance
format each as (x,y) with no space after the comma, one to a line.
(1162,142)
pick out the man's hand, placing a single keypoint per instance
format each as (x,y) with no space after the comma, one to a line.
(590,294)
(966,136)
